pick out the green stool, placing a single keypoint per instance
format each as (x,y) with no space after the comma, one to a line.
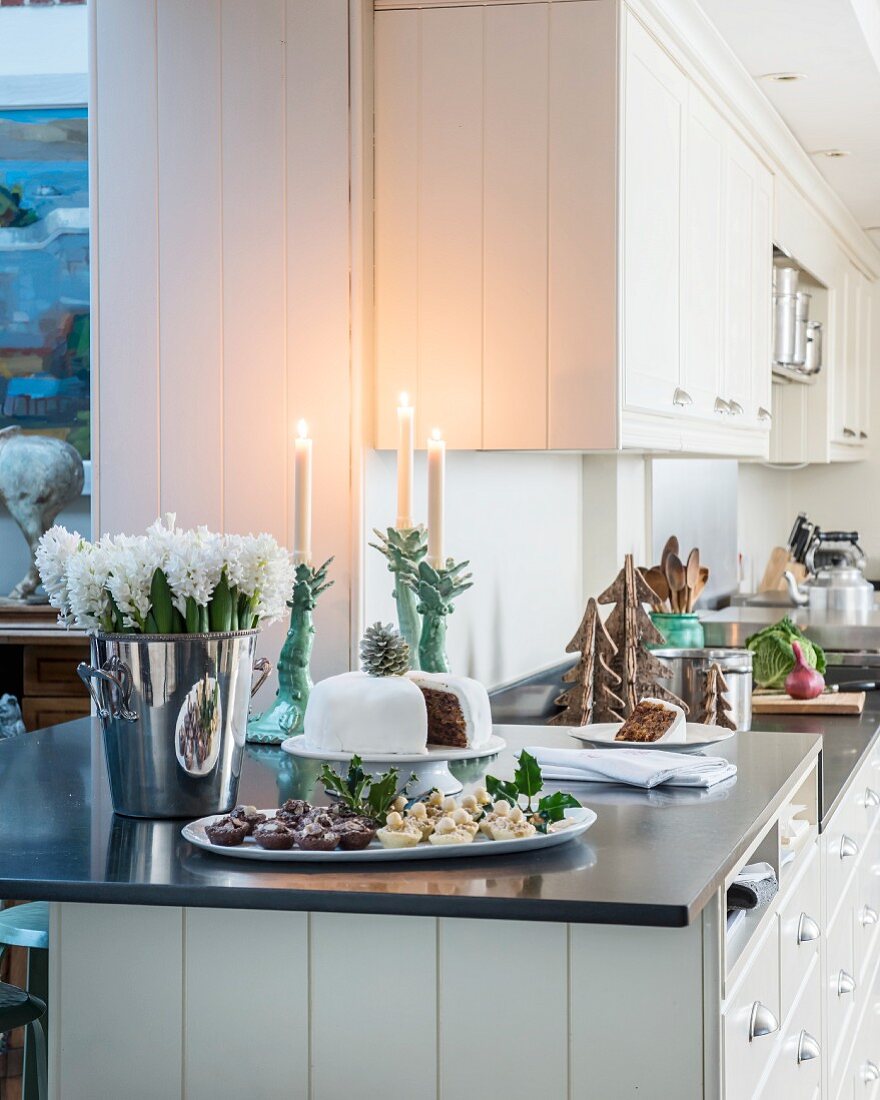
(21,1009)
(28,926)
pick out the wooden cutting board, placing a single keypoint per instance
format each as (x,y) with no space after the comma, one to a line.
(836,702)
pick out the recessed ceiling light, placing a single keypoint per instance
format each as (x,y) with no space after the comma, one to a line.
(832,153)
(783,78)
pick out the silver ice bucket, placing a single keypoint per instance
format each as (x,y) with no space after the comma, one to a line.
(174,710)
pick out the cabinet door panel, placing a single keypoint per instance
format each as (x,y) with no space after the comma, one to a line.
(450,265)
(654,94)
(739,302)
(515,227)
(762,300)
(703,258)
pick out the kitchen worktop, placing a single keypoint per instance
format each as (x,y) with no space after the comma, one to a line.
(652,858)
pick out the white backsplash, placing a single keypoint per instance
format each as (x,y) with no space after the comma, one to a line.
(517,517)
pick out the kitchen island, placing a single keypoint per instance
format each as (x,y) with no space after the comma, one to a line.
(215,976)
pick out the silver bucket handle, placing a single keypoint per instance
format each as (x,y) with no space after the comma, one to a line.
(264,666)
(116,673)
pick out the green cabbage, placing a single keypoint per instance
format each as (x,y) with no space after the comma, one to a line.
(773,657)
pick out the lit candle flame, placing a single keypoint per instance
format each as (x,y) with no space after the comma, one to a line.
(404,399)
(436,434)
(302,429)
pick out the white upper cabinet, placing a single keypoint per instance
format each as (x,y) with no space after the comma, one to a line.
(572,245)
(654,119)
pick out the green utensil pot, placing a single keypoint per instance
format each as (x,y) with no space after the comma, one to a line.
(682,631)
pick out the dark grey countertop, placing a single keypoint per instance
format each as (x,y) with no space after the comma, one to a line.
(652,858)
(846,741)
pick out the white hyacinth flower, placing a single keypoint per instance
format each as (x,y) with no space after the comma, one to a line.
(53,553)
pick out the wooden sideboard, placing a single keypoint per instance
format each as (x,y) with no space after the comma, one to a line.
(38,662)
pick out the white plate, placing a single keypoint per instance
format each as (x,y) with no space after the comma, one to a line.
(296,747)
(581,819)
(697,736)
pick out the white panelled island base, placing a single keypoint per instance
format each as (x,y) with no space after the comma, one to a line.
(205,1004)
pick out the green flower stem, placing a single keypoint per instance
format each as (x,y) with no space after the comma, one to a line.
(408,619)
(285,716)
(432,645)
(404,549)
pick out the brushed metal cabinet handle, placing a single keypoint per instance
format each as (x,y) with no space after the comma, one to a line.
(872,799)
(681,397)
(734,407)
(721,406)
(849,433)
(762,1022)
(764,414)
(846,983)
(808,930)
(808,1047)
(848,847)
(868,916)
(863,435)
(870,1072)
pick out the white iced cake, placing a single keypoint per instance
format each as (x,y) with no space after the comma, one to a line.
(653,721)
(365,714)
(459,714)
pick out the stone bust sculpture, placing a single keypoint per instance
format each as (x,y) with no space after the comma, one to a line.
(39,476)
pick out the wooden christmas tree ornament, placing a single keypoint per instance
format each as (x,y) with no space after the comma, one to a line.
(592,679)
(716,709)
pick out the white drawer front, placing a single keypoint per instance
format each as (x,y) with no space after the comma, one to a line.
(753,1008)
(798,1068)
(843,845)
(867,911)
(840,977)
(800,929)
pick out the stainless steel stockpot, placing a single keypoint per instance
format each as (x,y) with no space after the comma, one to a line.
(689,668)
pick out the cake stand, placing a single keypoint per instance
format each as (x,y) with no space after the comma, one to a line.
(431,768)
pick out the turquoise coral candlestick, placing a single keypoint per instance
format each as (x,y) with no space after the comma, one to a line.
(435,589)
(404,549)
(285,716)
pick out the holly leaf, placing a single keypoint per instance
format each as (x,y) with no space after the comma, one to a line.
(527,777)
(382,793)
(552,807)
(502,789)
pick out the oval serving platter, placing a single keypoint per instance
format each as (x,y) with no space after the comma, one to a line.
(578,821)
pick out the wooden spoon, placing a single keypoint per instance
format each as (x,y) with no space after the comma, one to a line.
(701,583)
(677,577)
(671,547)
(692,576)
(658,583)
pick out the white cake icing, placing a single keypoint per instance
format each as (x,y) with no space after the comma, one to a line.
(472,697)
(677,732)
(365,714)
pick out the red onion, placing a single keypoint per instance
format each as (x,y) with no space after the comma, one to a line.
(803,682)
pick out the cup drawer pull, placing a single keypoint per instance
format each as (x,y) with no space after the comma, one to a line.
(808,1047)
(872,799)
(848,847)
(762,1022)
(808,930)
(868,916)
(846,983)
(870,1072)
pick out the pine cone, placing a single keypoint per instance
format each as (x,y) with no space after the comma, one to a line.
(383,651)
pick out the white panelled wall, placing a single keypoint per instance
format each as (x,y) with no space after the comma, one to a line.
(221,254)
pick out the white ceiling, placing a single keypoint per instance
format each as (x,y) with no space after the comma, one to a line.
(836,45)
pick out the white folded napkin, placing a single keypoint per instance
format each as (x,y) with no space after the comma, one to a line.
(636,767)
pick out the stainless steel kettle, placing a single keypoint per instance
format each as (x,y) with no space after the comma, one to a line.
(833,588)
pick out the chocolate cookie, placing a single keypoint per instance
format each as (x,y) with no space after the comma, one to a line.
(248,816)
(315,838)
(294,811)
(225,832)
(355,833)
(274,836)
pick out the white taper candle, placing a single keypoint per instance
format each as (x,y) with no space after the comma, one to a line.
(404,463)
(436,493)
(302,495)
